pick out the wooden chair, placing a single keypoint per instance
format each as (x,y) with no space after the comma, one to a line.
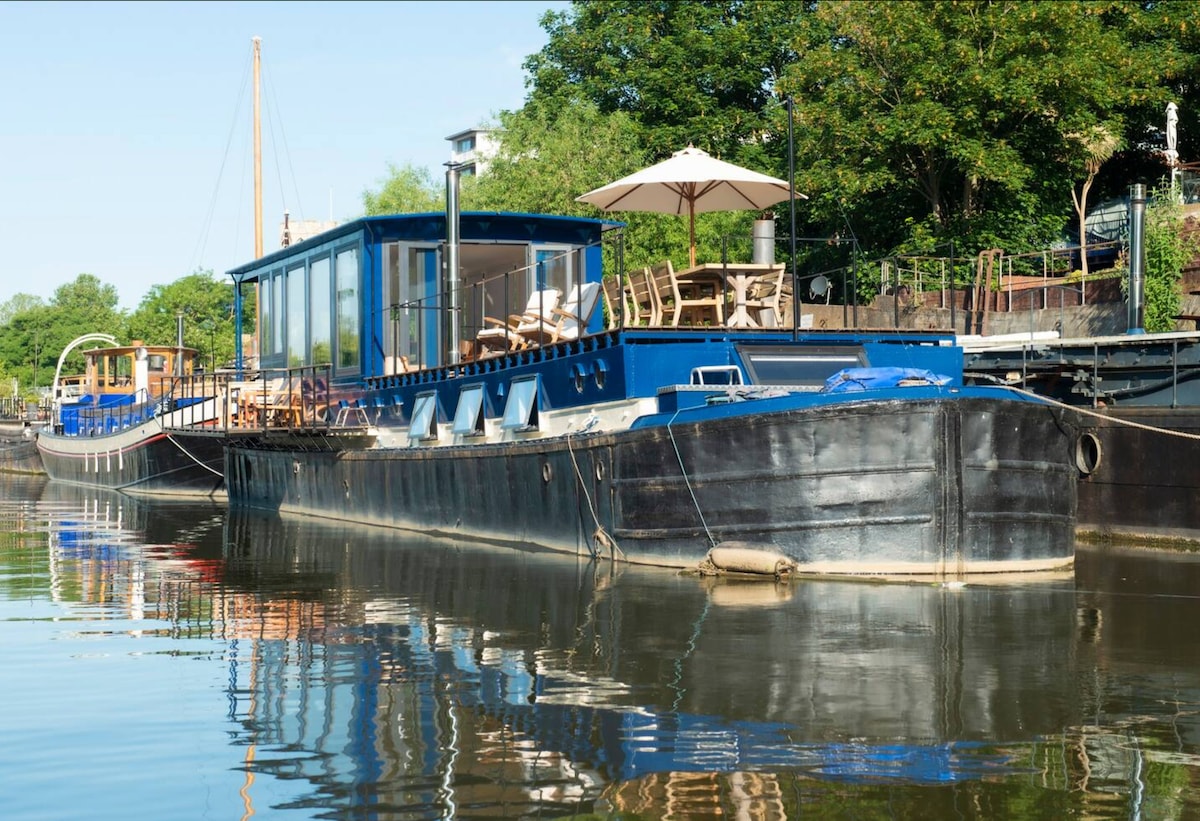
(567,322)
(691,303)
(641,299)
(618,311)
(765,297)
(504,336)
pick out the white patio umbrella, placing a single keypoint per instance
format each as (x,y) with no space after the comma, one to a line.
(690,182)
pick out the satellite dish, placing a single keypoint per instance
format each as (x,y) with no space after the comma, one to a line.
(818,287)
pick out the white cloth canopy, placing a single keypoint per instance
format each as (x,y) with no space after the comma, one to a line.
(690,182)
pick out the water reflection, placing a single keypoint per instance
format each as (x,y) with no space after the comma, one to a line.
(389,677)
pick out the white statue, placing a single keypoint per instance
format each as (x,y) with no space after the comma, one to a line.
(1172,122)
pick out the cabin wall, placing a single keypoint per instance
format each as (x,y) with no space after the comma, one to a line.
(314,310)
(311,306)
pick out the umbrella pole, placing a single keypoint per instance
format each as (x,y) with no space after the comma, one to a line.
(692,235)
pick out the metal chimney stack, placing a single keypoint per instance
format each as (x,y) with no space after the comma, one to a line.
(1137,258)
(764,240)
(453,319)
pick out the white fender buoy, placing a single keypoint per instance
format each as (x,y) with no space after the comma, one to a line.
(741,557)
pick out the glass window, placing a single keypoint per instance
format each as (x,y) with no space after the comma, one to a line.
(468,418)
(521,410)
(320,292)
(297,315)
(779,366)
(421,318)
(464,144)
(424,418)
(266,316)
(392,313)
(553,269)
(277,296)
(347,308)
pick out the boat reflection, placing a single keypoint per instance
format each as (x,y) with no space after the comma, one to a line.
(423,678)
(462,657)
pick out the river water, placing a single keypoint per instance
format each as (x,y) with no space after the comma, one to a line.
(175,660)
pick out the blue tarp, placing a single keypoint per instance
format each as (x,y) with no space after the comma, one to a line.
(861,379)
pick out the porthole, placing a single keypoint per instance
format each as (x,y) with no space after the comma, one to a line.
(579,374)
(547,472)
(600,371)
(1088,453)
(599,471)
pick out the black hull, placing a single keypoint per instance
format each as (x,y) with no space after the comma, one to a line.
(20,456)
(137,461)
(1140,482)
(940,487)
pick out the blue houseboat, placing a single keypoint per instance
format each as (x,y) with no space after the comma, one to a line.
(511,402)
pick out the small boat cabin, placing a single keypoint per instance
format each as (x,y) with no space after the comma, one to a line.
(122,386)
(374,297)
(129,369)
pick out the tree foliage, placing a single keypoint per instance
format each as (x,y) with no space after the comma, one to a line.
(206,306)
(686,72)
(16,304)
(406,189)
(549,155)
(981,115)
(34,335)
(915,122)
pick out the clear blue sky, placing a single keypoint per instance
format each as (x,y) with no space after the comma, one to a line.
(125,137)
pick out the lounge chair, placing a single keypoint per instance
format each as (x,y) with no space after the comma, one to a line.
(504,336)
(567,322)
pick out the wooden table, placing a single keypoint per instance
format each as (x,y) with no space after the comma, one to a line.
(736,278)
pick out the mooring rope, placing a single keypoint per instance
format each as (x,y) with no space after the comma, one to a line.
(1115,420)
(185,451)
(708,533)
(691,648)
(600,536)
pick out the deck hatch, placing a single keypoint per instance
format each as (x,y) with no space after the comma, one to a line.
(810,367)
(521,410)
(468,417)
(424,418)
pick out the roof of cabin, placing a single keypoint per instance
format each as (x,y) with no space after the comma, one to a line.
(431,227)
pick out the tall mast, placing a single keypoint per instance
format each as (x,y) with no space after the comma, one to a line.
(258,223)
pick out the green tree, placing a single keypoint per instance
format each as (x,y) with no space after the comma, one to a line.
(970,111)
(33,339)
(35,335)
(1096,145)
(548,156)
(16,304)
(206,306)
(85,305)
(24,351)
(686,72)
(406,189)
